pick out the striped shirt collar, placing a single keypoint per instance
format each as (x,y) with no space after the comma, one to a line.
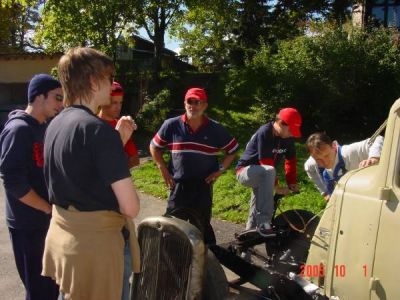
(204,123)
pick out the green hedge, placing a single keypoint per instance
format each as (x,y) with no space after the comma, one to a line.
(343,82)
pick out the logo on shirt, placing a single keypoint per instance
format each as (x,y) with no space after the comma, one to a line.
(38,154)
(279,151)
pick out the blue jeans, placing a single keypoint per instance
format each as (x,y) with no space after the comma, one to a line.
(127,272)
(28,247)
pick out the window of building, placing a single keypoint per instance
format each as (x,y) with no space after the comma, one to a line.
(385,12)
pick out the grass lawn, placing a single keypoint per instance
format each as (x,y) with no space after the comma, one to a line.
(231,199)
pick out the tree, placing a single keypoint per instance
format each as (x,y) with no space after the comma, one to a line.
(224,33)
(206,31)
(17,22)
(340,10)
(155,16)
(341,81)
(100,24)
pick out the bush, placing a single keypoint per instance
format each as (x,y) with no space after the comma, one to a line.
(343,82)
(154,111)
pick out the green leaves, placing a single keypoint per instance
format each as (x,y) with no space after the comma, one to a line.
(17,20)
(343,82)
(71,23)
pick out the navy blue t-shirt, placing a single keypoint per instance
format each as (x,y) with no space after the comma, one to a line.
(83,157)
(265,148)
(21,168)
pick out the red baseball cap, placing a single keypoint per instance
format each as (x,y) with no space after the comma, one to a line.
(293,118)
(196,93)
(117,89)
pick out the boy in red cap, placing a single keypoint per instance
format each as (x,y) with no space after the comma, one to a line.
(256,167)
(110,113)
(195,142)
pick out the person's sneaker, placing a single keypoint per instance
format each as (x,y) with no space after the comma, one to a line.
(265,230)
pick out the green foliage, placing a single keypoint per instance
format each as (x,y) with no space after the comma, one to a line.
(343,82)
(17,18)
(71,23)
(154,111)
(224,33)
(204,30)
(148,180)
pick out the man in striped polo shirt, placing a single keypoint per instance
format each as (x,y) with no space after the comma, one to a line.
(195,142)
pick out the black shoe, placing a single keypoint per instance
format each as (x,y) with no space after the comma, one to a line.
(265,230)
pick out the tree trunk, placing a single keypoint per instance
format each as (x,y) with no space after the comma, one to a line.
(159,32)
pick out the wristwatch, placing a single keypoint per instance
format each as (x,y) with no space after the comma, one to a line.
(222,168)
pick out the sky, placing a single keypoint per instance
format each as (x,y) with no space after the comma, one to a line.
(170,43)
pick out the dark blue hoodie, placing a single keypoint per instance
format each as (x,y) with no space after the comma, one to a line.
(21,168)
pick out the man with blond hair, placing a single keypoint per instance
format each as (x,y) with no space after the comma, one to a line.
(89,183)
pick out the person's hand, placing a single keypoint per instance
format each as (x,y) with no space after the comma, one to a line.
(294,187)
(135,127)
(369,162)
(327,197)
(125,126)
(213,177)
(168,179)
(48,209)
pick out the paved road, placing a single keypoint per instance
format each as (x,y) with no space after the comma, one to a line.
(11,287)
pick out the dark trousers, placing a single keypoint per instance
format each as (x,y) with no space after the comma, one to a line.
(28,247)
(196,196)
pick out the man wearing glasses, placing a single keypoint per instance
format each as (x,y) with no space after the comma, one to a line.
(21,168)
(256,167)
(195,142)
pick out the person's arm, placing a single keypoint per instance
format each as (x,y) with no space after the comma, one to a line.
(291,167)
(16,154)
(32,199)
(125,126)
(229,146)
(374,153)
(133,161)
(226,162)
(128,200)
(311,168)
(132,153)
(156,154)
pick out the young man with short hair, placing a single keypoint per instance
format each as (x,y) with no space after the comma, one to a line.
(89,183)
(329,161)
(256,167)
(28,210)
(195,142)
(111,113)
